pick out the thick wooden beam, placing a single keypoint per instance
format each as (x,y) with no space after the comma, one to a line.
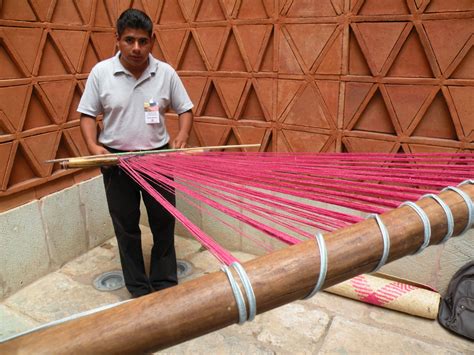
(206,304)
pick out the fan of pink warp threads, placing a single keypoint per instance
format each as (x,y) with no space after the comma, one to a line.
(275,193)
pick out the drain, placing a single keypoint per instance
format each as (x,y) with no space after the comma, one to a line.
(113,280)
(109,281)
(184,268)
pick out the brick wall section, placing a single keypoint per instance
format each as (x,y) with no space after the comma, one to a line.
(293,75)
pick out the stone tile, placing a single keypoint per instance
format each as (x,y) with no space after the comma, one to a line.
(436,265)
(346,337)
(423,329)
(292,327)
(24,253)
(243,257)
(220,342)
(337,305)
(12,322)
(205,262)
(96,213)
(57,296)
(186,249)
(186,246)
(105,257)
(87,267)
(458,251)
(288,329)
(65,231)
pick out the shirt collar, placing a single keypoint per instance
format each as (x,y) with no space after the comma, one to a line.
(119,68)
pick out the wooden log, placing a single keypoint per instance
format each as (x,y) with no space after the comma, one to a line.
(203,305)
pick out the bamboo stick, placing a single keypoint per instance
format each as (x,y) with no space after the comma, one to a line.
(81,163)
(112,158)
(203,305)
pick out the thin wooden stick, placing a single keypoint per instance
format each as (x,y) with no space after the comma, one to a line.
(112,158)
(157,151)
(200,306)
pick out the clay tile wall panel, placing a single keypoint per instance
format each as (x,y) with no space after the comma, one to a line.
(293,75)
(47,49)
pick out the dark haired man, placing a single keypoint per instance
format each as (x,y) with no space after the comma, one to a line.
(133,91)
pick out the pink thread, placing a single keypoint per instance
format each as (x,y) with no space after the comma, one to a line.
(267,191)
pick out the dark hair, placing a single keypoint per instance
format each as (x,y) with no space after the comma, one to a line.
(136,19)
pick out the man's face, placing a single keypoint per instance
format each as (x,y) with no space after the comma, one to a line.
(134,45)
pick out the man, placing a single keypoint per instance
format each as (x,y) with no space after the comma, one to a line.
(133,91)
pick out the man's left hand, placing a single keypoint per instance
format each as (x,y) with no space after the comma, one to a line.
(185,124)
(180,141)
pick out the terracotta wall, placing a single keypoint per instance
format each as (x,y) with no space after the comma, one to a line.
(47,49)
(294,75)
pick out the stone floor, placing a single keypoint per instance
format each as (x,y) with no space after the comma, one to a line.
(324,324)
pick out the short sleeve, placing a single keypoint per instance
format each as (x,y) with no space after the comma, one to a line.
(90,101)
(180,101)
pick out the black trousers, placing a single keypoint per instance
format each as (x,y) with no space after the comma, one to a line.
(123,198)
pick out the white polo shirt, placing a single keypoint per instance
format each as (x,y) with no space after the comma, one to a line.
(113,91)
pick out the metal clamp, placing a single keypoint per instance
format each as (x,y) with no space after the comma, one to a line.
(426,224)
(449,215)
(239,297)
(323,261)
(248,289)
(385,238)
(468,201)
(465,182)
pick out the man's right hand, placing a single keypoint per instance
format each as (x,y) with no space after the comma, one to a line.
(98,150)
(89,132)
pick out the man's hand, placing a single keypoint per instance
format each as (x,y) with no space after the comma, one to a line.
(98,150)
(89,132)
(185,124)
(180,141)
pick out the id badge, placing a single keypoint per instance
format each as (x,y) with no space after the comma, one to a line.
(152,112)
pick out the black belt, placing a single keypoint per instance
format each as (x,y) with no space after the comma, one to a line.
(113,150)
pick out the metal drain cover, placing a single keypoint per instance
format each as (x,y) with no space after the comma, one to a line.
(184,268)
(109,281)
(113,280)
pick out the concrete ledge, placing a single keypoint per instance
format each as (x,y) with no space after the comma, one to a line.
(43,235)
(192,212)
(96,213)
(64,225)
(24,255)
(227,235)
